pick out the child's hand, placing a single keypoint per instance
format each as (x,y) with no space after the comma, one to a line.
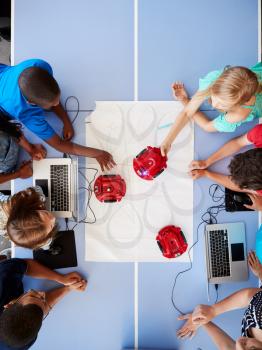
(165,148)
(37,152)
(256,202)
(70,278)
(198,164)
(245,343)
(105,160)
(25,170)
(68,131)
(197,173)
(189,328)
(203,314)
(254,264)
(179,92)
(79,286)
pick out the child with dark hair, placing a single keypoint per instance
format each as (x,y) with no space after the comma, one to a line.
(245,175)
(11,139)
(29,88)
(22,314)
(245,168)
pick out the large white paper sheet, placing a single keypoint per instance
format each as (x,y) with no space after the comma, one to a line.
(126,231)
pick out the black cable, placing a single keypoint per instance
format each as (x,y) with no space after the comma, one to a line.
(89,196)
(209,217)
(66,223)
(77,110)
(216,288)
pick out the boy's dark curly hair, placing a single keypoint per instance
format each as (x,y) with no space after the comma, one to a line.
(246,169)
(20,324)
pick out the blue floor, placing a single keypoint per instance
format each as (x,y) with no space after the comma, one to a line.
(90,45)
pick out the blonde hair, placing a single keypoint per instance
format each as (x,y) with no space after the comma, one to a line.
(235,86)
(24,225)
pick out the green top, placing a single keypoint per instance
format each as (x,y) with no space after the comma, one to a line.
(220,123)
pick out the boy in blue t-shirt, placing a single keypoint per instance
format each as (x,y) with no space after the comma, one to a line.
(26,90)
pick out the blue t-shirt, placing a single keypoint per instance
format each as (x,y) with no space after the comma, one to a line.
(11,287)
(14,103)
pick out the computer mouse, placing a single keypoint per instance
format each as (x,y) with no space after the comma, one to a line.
(238,198)
(242,198)
(55,250)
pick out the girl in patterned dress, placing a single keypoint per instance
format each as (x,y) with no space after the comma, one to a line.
(248,298)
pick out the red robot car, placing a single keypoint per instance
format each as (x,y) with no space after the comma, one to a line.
(110,188)
(149,163)
(171,241)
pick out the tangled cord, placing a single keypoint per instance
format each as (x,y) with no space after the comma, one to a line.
(77,110)
(89,196)
(217,193)
(88,188)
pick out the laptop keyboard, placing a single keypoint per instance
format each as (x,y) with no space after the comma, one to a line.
(219,254)
(59,188)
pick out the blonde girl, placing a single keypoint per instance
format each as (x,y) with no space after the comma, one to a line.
(24,219)
(235,91)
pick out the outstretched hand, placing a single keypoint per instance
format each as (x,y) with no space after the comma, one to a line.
(197,173)
(105,160)
(188,330)
(198,164)
(165,148)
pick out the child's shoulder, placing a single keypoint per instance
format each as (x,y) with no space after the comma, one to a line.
(258,70)
(209,78)
(35,62)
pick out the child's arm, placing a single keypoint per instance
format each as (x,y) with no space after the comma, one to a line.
(68,130)
(220,338)
(181,120)
(104,158)
(53,296)
(239,300)
(37,270)
(229,148)
(221,179)
(36,151)
(23,172)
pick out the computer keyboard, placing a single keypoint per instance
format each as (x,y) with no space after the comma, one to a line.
(59,188)
(219,253)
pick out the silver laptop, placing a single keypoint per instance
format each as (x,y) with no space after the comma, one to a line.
(58,178)
(226,257)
